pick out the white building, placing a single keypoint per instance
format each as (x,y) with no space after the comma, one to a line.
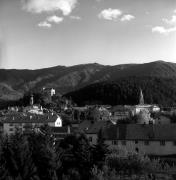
(49,91)
(26,122)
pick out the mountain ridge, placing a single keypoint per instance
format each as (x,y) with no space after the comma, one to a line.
(14,83)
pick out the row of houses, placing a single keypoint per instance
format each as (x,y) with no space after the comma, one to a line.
(27,121)
(151,139)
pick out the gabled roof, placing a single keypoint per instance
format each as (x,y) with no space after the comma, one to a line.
(62,130)
(28,118)
(90,127)
(141,132)
(120,108)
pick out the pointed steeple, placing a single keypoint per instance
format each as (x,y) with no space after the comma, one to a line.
(32,100)
(141,98)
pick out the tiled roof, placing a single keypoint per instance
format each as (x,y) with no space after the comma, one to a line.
(141,132)
(28,118)
(62,130)
(93,127)
(120,108)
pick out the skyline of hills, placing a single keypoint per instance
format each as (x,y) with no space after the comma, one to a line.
(14,83)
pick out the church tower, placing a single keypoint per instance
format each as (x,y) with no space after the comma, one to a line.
(141,98)
(32,100)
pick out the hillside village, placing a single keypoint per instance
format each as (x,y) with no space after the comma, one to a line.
(143,127)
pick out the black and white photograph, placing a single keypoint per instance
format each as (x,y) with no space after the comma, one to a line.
(87,89)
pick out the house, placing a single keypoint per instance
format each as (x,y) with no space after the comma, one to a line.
(92,128)
(61,132)
(150,107)
(120,113)
(34,109)
(149,139)
(162,119)
(27,121)
(49,91)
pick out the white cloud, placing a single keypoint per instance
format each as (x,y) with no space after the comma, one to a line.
(163,30)
(75,17)
(174,11)
(55,19)
(127,17)
(110,14)
(39,6)
(172,21)
(44,24)
(171,26)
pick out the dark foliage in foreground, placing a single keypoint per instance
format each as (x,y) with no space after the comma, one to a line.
(39,157)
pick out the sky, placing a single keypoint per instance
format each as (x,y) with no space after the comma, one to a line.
(44,33)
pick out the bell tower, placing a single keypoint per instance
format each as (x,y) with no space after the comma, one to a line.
(32,100)
(141,98)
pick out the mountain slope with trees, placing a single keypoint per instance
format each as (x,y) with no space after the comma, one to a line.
(15,83)
(123,91)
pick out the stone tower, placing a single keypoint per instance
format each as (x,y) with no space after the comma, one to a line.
(141,98)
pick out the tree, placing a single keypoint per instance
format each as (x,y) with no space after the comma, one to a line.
(44,155)
(3,169)
(77,155)
(100,150)
(17,158)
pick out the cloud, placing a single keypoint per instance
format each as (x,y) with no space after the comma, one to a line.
(110,14)
(75,17)
(172,21)
(163,30)
(39,6)
(127,17)
(55,19)
(44,24)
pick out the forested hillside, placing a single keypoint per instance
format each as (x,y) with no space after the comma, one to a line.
(156,90)
(113,80)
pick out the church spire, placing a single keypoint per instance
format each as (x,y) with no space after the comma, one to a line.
(141,98)
(32,100)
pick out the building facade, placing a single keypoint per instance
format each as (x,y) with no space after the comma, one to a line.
(26,122)
(150,139)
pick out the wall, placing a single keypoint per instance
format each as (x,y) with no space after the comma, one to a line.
(153,148)
(94,138)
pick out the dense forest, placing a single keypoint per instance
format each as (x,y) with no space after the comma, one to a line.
(156,90)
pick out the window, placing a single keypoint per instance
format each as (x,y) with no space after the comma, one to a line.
(146,143)
(137,150)
(90,139)
(136,141)
(123,142)
(174,143)
(10,129)
(11,124)
(162,143)
(114,142)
